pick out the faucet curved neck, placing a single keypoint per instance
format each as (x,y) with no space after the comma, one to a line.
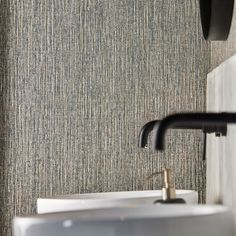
(208,122)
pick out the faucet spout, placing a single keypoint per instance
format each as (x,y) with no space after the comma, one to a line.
(144,133)
(208,122)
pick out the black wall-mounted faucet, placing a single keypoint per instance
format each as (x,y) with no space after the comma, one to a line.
(208,122)
(179,121)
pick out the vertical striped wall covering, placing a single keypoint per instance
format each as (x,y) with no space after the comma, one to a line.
(79,78)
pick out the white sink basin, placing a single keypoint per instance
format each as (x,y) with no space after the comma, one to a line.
(107,200)
(158,220)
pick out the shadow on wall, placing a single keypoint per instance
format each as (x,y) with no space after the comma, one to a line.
(4,96)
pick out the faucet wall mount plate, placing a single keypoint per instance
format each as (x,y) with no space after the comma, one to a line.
(216,17)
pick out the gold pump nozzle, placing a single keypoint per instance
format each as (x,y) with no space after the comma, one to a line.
(168,191)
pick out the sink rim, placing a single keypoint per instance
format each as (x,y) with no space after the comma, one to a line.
(167,211)
(76,202)
(117,195)
(216,220)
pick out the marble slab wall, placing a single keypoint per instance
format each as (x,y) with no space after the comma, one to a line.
(221,96)
(79,78)
(221,161)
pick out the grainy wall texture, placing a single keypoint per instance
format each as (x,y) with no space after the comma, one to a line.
(79,78)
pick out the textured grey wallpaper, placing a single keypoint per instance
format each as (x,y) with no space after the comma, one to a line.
(79,78)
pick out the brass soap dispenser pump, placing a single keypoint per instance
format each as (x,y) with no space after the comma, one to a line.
(168,190)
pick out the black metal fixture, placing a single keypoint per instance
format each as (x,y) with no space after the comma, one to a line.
(210,122)
(177,123)
(207,122)
(144,133)
(216,17)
